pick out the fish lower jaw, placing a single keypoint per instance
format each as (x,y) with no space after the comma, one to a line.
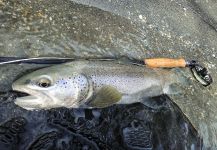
(29,102)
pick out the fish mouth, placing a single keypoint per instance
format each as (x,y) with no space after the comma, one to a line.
(26,100)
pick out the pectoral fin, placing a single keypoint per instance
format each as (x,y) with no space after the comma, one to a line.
(105,97)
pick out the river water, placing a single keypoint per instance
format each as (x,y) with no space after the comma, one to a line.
(113,28)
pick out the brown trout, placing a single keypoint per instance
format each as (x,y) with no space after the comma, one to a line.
(91,84)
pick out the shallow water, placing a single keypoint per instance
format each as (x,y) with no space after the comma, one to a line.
(110,29)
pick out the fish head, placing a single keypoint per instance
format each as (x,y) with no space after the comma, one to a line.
(50,88)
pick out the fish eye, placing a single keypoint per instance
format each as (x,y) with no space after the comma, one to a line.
(44,83)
